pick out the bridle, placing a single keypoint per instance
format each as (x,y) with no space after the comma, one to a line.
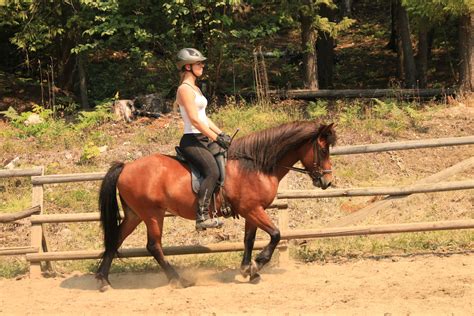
(317,172)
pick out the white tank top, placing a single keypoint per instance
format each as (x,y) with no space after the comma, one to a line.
(201,103)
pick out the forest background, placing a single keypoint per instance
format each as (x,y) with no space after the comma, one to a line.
(75,54)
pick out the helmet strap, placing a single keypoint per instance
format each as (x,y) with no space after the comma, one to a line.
(191,70)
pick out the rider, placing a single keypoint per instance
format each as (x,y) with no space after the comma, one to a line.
(202,138)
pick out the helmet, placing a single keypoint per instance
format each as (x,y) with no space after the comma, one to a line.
(188,56)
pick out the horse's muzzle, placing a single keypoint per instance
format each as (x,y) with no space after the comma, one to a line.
(322,183)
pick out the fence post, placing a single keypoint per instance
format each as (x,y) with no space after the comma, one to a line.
(37,228)
(283,219)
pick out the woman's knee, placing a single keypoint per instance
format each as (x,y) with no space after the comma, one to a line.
(212,173)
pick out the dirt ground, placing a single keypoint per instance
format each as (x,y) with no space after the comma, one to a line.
(423,285)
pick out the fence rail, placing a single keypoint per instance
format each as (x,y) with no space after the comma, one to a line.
(11,217)
(393,190)
(20,172)
(307,94)
(411,144)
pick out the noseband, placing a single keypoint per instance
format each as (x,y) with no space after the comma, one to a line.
(317,172)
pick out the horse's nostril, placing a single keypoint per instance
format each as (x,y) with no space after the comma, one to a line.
(329,184)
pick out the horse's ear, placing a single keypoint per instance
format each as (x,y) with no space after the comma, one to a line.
(329,134)
(328,129)
(331,127)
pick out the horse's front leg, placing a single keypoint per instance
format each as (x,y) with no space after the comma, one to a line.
(260,219)
(248,267)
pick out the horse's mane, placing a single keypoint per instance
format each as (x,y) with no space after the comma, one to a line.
(261,151)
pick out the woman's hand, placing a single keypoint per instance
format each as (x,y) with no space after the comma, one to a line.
(223,140)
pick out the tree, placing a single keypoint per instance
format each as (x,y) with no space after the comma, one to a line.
(207,25)
(466,42)
(313,24)
(434,13)
(406,58)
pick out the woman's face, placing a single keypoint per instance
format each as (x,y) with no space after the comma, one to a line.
(198,68)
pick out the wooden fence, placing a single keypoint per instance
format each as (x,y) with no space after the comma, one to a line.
(38,251)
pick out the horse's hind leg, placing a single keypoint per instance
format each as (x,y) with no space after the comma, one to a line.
(154,227)
(128,225)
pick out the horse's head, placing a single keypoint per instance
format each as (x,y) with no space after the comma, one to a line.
(315,156)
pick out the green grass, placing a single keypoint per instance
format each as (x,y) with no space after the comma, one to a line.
(332,249)
(253,118)
(15,195)
(11,268)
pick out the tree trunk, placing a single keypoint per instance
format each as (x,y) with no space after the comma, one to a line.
(325,52)
(345,7)
(403,31)
(66,62)
(466,51)
(308,44)
(392,44)
(82,81)
(422,56)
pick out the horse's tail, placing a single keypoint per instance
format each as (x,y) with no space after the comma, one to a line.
(109,209)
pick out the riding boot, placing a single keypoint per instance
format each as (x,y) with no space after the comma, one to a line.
(203,220)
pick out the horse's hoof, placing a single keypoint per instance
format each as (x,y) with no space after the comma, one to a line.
(105,288)
(250,269)
(253,268)
(245,271)
(255,278)
(104,284)
(180,283)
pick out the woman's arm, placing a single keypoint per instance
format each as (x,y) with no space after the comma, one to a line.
(213,127)
(186,98)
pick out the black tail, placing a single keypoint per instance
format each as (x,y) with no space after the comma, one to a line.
(109,209)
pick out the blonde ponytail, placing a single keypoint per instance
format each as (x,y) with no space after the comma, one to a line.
(175,103)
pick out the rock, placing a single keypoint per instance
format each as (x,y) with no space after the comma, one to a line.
(12,164)
(33,119)
(154,103)
(103,149)
(123,110)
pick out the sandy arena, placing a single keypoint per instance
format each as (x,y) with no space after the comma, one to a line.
(415,285)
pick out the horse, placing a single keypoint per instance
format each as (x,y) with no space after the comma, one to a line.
(152,185)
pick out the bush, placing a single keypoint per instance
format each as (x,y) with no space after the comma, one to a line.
(101,114)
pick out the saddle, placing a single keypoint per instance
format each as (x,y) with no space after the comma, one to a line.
(196,180)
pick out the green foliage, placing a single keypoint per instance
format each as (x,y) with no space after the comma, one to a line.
(252,118)
(436,10)
(89,152)
(349,114)
(13,268)
(101,114)
(317,109)
(20,121)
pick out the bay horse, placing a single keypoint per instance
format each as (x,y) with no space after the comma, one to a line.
(151,185)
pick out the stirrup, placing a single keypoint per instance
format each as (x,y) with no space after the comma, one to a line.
(203,224)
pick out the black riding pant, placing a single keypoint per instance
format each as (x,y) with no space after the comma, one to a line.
(199,150)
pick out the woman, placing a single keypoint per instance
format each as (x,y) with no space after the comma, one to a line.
(202,138)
